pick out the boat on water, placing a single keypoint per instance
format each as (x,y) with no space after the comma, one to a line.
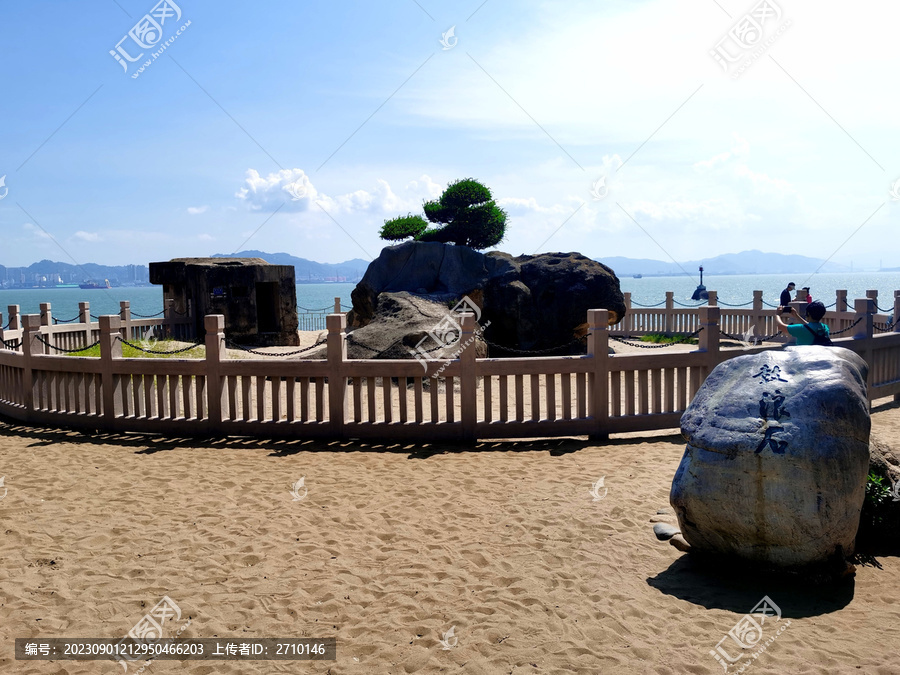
(638,276)
(93,283)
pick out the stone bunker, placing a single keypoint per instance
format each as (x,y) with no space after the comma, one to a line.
(259,300)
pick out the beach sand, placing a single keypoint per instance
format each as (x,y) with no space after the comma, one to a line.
(391,547)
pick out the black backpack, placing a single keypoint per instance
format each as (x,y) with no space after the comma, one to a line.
(820,339)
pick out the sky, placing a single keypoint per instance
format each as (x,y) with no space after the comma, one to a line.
(608,128)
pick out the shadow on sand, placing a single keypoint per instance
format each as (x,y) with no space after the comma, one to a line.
(715,586)
(147,444)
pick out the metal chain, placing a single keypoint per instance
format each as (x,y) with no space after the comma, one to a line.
(769,305)
(8,344)
(234,345)
(684,305)
(151,351)
(887,327)
(656,305)
(852,325)
(67,351)
(148,316)
(682,340)
(727,304)
(306,309)
(536,351)
(77,318)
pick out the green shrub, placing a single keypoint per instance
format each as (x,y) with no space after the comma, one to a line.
(466,213)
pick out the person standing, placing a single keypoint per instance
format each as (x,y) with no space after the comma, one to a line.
(807,332)
(784,305)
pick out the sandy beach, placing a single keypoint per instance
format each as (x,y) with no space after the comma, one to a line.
(390,547)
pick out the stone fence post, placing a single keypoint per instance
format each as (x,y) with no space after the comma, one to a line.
(864,330)
(873,296)
(598,384)
(758,320)
(336,349)
(628,324)
(840,298)
(468,384)
(110,350)
(31,347)
(708,343)
(14,317)
(896,311)
(712,299)
(337,305)
(84,318)
(670,317)
(215,354)
(125,316)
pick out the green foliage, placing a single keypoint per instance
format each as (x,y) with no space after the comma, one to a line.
(878,497)
(466,212)
(662,338)
(403,227)
(158,346)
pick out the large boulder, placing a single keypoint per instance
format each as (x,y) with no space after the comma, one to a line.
(776,460)
(402,321)
(537,302)
(532,302)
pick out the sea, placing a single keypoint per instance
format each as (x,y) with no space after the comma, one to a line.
(735,290)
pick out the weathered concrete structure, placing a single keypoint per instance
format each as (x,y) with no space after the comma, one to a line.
(259,300)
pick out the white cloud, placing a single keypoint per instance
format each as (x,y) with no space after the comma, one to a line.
(295,191)
(197,210)
(289,188)
(36,232)
(81,235)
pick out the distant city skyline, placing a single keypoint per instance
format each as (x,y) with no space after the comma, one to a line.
(635,129)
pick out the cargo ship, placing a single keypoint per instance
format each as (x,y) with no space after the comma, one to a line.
(91,283)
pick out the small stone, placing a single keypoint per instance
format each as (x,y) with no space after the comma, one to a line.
(664,531)
(680,543)
(665,511)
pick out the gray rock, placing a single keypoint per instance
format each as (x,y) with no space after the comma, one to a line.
(532,302)
(401,321)
(777,455)
(664,531)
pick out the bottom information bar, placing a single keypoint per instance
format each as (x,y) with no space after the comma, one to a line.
(178,649)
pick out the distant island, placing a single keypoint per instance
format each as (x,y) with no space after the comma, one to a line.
(51,274)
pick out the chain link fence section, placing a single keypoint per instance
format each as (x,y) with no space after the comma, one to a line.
(634,342)
(155,351)
(66,351)
(850,327)
(250,350)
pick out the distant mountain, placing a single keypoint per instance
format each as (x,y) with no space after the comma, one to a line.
(307,271)
(746,262)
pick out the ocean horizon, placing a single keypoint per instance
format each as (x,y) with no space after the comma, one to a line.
(732,290)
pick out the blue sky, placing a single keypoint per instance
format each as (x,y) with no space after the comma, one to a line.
(300,127)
